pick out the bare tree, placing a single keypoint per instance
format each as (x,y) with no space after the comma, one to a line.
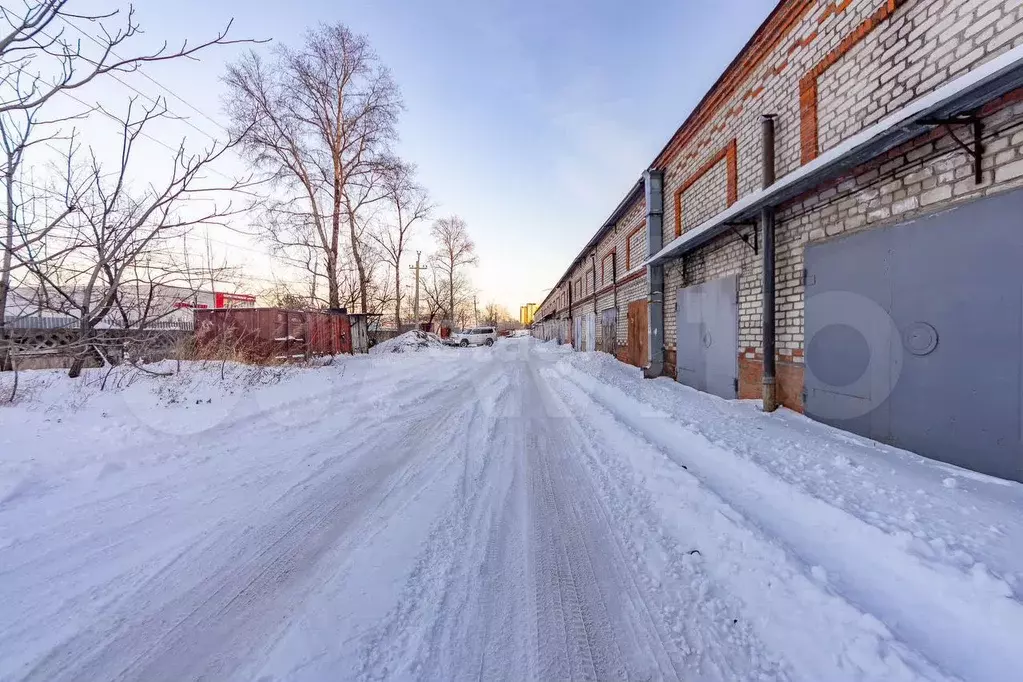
(409,204)
(116,229)
(283,296)
(435,292)
(38,60)
(455,251)
(320,121)
(495,313)
(29,212)
(32,208)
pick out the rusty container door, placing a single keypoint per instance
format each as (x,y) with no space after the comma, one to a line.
(277,334)
(343,327)
(206,331)
(638,334)
(317,334)
(296,342)
(328,334)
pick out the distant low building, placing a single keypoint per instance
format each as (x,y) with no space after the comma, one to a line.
(160,306)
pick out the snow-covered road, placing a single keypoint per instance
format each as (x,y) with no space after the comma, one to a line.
(514,513)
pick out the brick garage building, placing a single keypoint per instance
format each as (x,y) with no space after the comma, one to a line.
(600,301)
(866,151)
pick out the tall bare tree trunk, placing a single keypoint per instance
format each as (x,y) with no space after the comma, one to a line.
(5,269)
(360,266)
(397,299)
(333,290)
(6,359)
(451,298)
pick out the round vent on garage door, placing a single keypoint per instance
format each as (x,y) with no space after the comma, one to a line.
(838,355)
(920,338)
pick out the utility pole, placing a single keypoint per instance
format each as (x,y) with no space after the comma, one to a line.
(417,267)
(475,312)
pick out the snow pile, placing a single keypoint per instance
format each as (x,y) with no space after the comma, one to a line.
(891,565)
(410,342)
(85,425)
(520,512)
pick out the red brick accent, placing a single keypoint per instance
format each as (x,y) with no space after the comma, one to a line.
(834,9)
(1002,102)
(778,27)
(582,300)
(789,377)
(809,142)
(669,362)
(802,42)
(729,153)
(603,270)
(988,109)
(628,244)
(631,278)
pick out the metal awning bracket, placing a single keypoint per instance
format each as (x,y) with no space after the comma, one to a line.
(976,150)
(752,240)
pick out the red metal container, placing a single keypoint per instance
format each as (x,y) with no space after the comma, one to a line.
(270,334)
(328,334)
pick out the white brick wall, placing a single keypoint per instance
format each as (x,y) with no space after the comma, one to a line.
(920,46)
(925,44)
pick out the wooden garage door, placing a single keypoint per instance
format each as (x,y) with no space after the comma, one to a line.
(638,338)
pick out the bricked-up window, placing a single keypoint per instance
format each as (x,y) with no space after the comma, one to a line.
(635,251)
(607,264)
(578,288)
(589,282)
(729,153)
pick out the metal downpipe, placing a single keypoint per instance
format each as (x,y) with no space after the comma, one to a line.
(654,190)
(770,385)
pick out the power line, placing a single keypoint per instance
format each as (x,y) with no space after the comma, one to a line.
(160,85)
(166,108)
(294,262)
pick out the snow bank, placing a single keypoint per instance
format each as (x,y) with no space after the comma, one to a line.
(115,415)
(896,568)
(410,342)
(460,515)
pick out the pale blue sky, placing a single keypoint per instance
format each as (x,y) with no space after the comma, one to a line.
(530,119)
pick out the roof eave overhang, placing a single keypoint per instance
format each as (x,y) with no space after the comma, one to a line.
(634,194)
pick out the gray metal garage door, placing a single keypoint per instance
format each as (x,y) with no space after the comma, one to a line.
(708,337)
(915,335)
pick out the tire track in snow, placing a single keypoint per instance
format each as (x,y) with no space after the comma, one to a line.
(644,632)
(426,634)
(522,576)
(727,486)
(696,622)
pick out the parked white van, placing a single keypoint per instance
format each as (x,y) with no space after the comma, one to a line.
(477,336)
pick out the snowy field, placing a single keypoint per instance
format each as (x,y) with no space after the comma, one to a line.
(514,513)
